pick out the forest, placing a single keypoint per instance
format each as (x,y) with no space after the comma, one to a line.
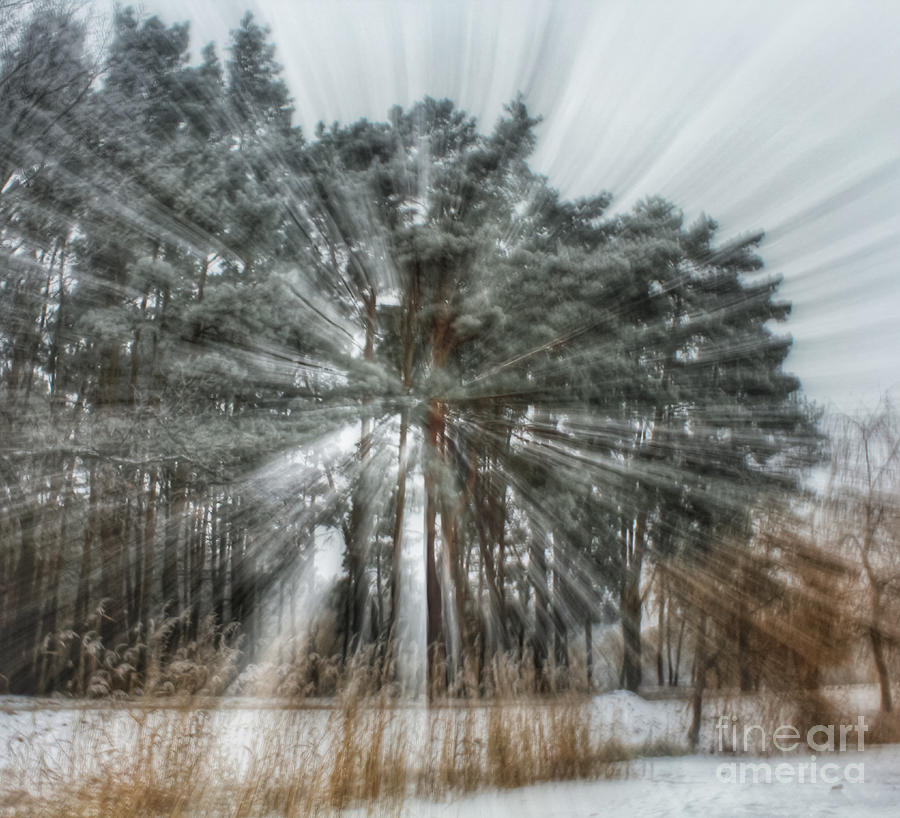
(548,445)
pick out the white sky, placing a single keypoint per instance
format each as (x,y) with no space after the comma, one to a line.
(776,115)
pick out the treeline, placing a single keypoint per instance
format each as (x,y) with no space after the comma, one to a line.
(562,417)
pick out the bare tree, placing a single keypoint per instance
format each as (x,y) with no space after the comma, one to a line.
(862,501)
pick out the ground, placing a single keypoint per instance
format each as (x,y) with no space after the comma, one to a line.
(45,742)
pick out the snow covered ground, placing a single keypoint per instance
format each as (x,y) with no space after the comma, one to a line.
(686,786)
(42,740)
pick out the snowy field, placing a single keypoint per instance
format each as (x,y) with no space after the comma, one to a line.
(686,786)
(47,741)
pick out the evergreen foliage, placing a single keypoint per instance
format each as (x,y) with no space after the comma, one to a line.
(196,304)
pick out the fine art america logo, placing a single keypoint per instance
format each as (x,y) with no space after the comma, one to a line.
(786,738)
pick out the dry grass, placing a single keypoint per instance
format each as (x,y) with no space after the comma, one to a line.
(753,719)
(366,751)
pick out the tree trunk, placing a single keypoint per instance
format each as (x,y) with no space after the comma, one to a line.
(220,540)
(52,660)
(745,671)
(560,630)
(630,603)
(660,622)
(146,592)
(25,607)
(434,627)
(409,325)
(204,272)
(197,566)
(674,682)
(111,543)
(538,571)
(589,653)
(700,665)
(454,560)
(174,524)
(884,680)
(359,532)
(82,595)
(397,540)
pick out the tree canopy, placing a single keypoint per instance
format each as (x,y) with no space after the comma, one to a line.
(197,304)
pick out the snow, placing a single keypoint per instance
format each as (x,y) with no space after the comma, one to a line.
(629,717)
(40,738)
(685,786)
